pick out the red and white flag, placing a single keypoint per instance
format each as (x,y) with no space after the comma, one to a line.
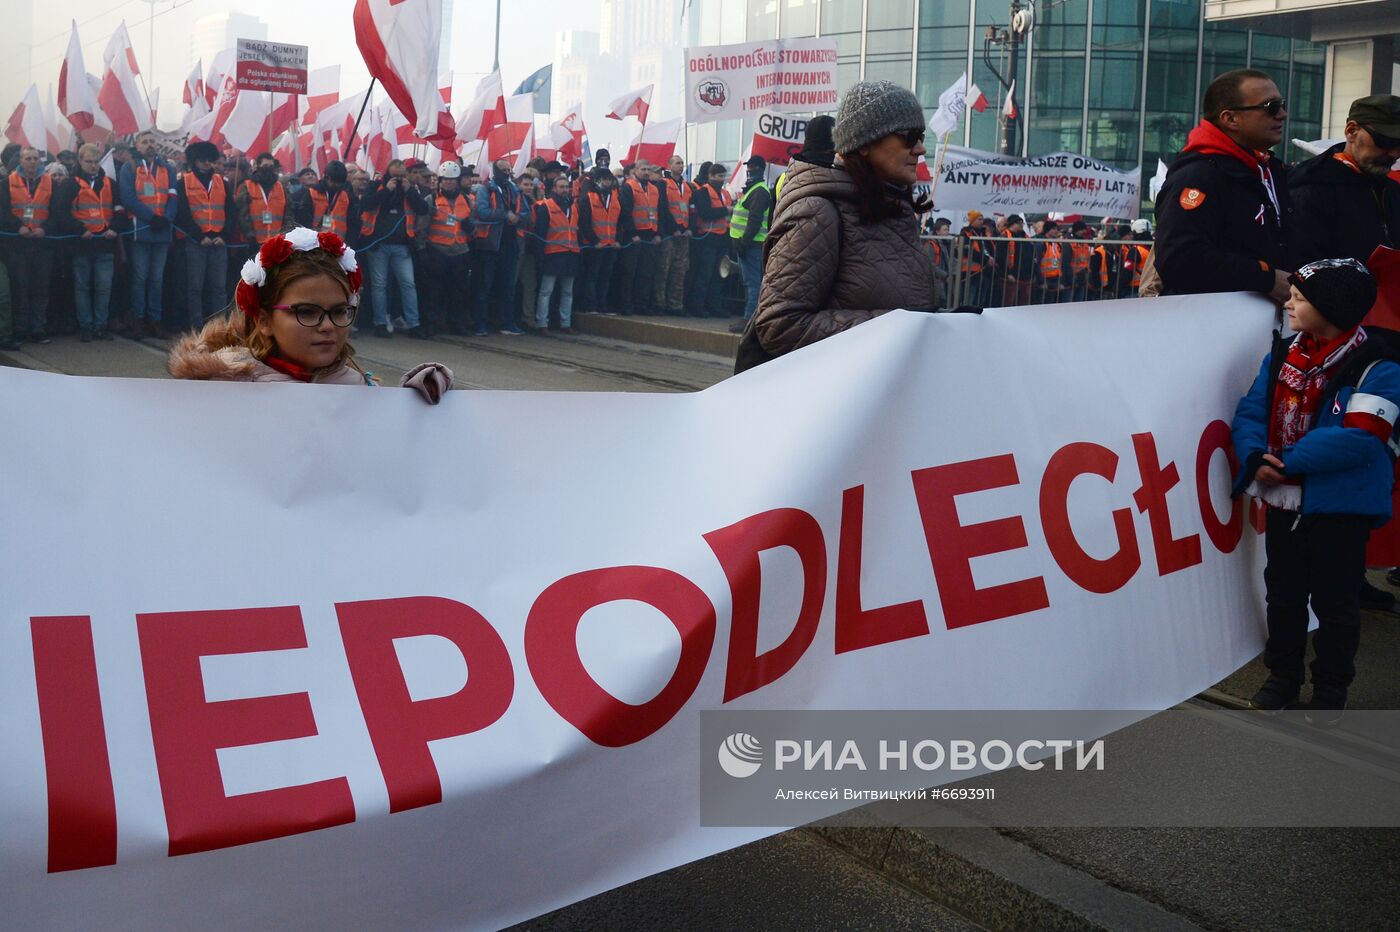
(656,142)
(567,137)
(399,41)
(527,145)
(101,127)
(27,125)
(1008,109)
(335,128)
(76,99)
(396,129)
(120,44)
(322,90)
(445,87)
(155,105)
(221,67)
(922,173)
(506,140)
(122,100)
(246,128)
(486,111)
(284,113)
(976,99)
(194,85)
(633,103)
(381,146)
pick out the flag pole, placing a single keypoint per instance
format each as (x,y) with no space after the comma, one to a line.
(938,169)
(345,154)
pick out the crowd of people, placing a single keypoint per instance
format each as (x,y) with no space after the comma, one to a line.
(154,249)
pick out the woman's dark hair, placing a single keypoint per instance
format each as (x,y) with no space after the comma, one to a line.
(877,200)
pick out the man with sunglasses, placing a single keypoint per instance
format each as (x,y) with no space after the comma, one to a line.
(1223,215)
(1344,201)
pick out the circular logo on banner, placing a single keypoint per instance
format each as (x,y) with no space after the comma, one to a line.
(712,94)
(741,755)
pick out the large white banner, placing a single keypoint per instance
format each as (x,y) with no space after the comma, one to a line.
(282,656)
(726,82)
(1060,182)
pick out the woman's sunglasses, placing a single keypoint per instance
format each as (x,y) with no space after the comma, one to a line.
(311,315)
(910,137)
(1273,107)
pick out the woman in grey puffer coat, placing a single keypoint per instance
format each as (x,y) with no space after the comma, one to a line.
(844,246)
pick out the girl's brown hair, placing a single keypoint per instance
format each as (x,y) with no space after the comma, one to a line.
(879,201)
(233,327)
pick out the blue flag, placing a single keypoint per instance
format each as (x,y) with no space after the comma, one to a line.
(538,84)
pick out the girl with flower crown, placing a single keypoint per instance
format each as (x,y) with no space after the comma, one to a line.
(290,322)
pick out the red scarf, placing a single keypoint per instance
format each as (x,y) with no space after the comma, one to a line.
(1209,139)
(289,368)
(1301,382)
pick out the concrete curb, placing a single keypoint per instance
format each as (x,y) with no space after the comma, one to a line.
(997,882)
(654,333)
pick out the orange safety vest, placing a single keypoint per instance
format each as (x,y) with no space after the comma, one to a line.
(1137,266)
(1102,253)
(563,229)
(483,230)
(1079,257)
(368,218)
(721,225)
(644,201)
(206,206)
(678,195)
(91,208)
(1010,253)
(30,208)
(1050,261)
(527,209)
(972,257)
(604,217)
(266,222)
(327,217)
(153,190)
(446,227)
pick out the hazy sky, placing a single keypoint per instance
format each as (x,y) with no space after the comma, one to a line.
(527,37)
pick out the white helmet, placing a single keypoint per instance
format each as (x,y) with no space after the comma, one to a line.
(1142,225)
(450,170)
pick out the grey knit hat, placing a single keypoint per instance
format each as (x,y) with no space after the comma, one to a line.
(871,110)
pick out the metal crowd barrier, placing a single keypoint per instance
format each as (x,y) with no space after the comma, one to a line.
(971,271)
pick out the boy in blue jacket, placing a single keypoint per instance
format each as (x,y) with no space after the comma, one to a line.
(1314,436)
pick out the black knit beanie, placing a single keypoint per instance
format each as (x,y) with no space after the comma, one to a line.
(1342,290)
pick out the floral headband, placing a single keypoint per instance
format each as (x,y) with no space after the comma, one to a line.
(280,248)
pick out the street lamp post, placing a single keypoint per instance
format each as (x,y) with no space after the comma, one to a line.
(1010,38)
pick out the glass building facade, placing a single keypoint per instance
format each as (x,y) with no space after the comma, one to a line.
(1118,80)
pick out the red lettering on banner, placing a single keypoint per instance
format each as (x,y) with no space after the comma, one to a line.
(551,649)
(82,806)
(857,628)
(1225,535)
(1173,554)
(401,728)
(188,731)
(952,546)
(1102,576)
(737,547)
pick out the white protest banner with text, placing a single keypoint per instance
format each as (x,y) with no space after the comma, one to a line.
(725,82)
(1061,182)
(286,656)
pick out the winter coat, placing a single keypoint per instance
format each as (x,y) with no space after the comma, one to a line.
(191,359)
(825,271)
(491,201)
(1339,211)
(1346,469)
(1217,230)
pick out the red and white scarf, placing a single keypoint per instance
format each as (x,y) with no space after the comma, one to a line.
(1301,382)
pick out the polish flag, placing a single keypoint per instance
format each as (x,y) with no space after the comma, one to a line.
(198,105)
(506,140)
(76,99)
(335,128)
(471,154)
(976,99)
(527,145)
(122,101)
(446,141)
(1008,110)
(220,68)
(284,113)
(396,128)
(382,147)
(735,185)
(399,40)
(27,126)
(322,90)
(567,137)
(155,105)
(922,173)
(445,87)
(101,127)
(117,45)
(246,128)
(486,111)
(284,150)
(656,142)
(194,85)
(633,103)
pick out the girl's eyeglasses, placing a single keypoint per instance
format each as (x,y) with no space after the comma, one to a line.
(311,315)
